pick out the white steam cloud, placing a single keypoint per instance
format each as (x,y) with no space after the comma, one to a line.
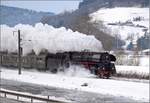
(40,37)
(76,71)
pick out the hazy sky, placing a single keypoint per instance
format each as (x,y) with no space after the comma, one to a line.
(55,6)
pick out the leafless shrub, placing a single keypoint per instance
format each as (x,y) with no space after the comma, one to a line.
(133,75)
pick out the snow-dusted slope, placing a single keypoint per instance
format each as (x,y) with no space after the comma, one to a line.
(124,22)
(41,36)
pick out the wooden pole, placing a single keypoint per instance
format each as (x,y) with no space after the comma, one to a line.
(19,53)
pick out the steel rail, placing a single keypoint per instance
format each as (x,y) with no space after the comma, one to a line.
(32,97)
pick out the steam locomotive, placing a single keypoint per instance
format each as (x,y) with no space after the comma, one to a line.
(99,63)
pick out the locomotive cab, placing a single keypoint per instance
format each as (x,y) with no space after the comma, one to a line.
(106,65)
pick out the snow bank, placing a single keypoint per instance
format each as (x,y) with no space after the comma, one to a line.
(41,37)
(134,90)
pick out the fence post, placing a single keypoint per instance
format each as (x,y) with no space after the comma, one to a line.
(5,95)
(31,100)
(48,98)
(17,97)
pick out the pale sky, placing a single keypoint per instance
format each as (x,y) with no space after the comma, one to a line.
(55,6)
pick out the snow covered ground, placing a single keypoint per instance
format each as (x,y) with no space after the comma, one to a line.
(41,37)
(127,22)
(133,90)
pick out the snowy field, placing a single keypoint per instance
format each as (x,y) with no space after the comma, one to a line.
(133,90)
(128,22)
(45,37)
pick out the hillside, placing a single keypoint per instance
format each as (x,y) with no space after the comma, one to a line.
(78,20)
(12,16)
(92,4)
(126,23)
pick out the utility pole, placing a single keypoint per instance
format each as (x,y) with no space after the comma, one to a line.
(19,53)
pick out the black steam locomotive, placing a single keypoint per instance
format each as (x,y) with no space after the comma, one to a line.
(99,63)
